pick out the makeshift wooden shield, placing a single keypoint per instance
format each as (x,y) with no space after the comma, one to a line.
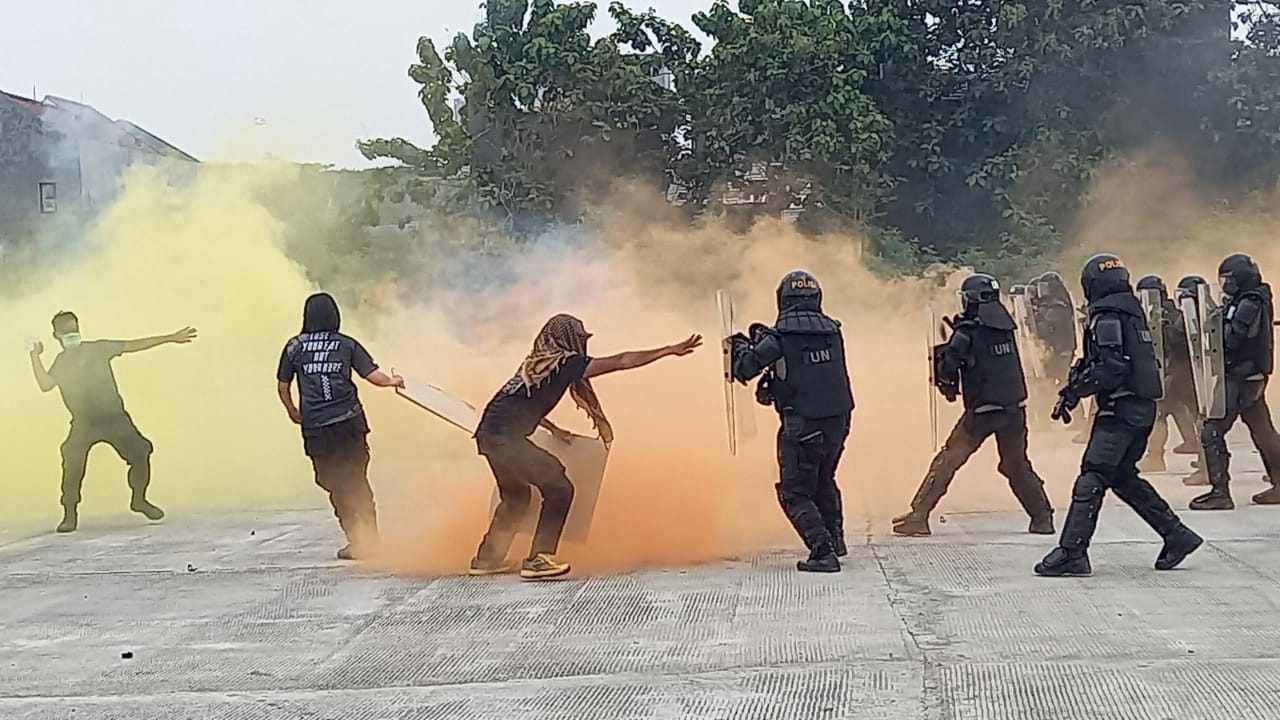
(584,458)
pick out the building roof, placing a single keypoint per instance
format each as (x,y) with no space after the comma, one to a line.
(153,142)
(32,105)
(89,119)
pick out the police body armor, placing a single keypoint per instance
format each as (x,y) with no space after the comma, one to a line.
(1144,374)
(1257,355)
(995,377)
(811,379)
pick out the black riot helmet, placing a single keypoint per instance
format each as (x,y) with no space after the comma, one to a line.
(1189,287)
(977,289)
(1238,273)
(1153,282)
(1104,275)
(799,290)
(980,295)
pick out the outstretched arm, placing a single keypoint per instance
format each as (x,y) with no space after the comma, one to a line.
(639,358)
(43,378)
(185,335)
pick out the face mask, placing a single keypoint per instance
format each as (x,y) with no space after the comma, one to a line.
(1228,284)
(70,340)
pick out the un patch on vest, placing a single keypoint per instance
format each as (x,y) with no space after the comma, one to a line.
(1002,349)
(818,357)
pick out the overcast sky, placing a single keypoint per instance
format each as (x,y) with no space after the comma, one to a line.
(230,79)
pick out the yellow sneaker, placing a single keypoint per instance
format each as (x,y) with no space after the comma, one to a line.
(542,566)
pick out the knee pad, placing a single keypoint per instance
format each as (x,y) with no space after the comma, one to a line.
(1088,486)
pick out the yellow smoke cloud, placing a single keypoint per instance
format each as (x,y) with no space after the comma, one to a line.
(201,254)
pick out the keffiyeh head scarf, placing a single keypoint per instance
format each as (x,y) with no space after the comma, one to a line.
(561,338)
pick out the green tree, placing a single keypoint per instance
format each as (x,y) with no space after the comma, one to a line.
(782,87)
(545,107)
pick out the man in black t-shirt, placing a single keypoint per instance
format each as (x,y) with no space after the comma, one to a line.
(334,428)
(83,375)
(558,363)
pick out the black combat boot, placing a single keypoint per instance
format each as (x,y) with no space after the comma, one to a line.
(912,524)
(1177,546)
(1061,563)
(1270,496)
(70,520)
(1042,525)
(1215,499)
(821,559)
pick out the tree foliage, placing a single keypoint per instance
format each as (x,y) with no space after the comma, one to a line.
(953,131)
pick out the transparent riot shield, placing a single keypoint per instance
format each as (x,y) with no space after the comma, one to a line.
(1153,308)
(737,404)
(1215,374)
(1195,348)
(935,339)
(1031,349)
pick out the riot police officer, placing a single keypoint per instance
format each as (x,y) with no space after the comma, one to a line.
(1055,324)
(806,379)
(1248,344)
(1179,402)
(981,363)
(1119,371)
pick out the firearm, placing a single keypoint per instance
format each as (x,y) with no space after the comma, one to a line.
(1067,398)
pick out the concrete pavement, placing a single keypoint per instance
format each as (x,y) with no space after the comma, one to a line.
(245,616)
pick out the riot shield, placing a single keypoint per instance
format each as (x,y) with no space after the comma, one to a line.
(1195,348)
(1215,374)
(1153,308)
(933,342)
(739,413)
(1032,351)
(583,458)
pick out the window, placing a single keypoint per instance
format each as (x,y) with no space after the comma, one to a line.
(48,197)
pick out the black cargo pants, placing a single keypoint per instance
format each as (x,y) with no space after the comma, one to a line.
(809,453)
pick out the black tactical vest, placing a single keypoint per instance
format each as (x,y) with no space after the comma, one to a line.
(1257,354)
(811,379)
(1144,373)
(993,373)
